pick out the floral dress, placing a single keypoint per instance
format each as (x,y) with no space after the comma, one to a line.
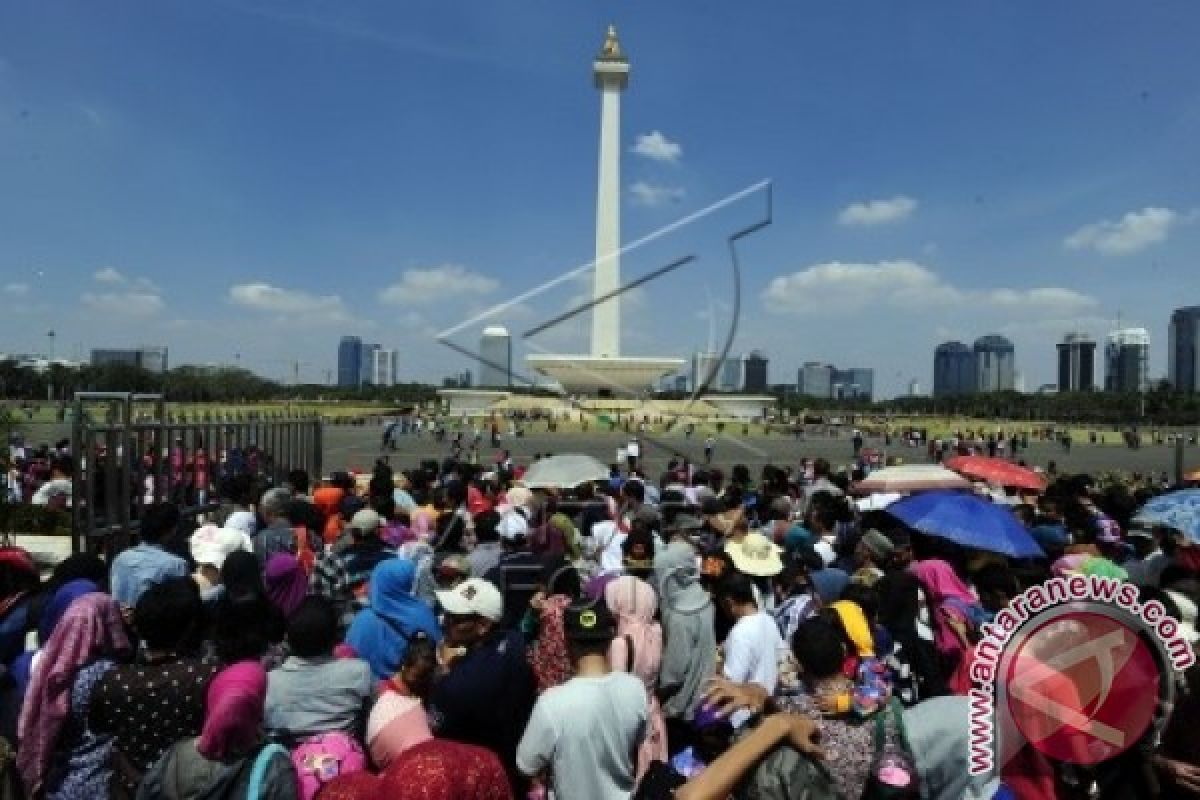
(82,767)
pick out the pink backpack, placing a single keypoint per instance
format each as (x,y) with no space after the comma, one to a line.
(322,758)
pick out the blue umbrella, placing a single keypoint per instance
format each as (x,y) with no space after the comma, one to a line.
(968,521)
(1179,510)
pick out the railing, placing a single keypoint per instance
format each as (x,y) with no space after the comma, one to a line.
(131,451)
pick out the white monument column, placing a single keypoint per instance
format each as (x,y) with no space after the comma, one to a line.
(611,70)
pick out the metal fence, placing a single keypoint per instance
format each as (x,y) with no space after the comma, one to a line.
(131,452)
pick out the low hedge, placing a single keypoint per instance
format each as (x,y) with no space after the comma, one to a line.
(21,518)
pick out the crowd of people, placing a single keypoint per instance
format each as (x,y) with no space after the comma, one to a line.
(446,632)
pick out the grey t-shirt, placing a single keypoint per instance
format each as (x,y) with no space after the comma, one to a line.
(587,733)
(310,696)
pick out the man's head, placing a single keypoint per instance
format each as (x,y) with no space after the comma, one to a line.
(297,481)
(873,549)
(819,647)
(471,611)
(312,630)
(62,467)
(513,530)
(486,523)
(159,521)
(167,614)
(996,585)
(273,505)
(821,469)
(734,594)
(589,631)
(365,524)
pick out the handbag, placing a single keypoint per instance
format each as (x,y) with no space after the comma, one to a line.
(893,772)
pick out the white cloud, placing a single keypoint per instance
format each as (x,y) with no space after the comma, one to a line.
(419,286)
(16,289)
(836,287)
(124,304)
(109,275)
(651,196)
(656,146)
(878,212)
(1135,231)
(265,297)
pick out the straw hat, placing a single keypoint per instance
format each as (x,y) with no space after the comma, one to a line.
(755,555)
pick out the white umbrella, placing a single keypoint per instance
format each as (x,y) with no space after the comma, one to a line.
(877,502)
(910,478)
(564,472)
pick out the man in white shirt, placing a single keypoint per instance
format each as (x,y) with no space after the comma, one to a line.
(753,645)
(585,734)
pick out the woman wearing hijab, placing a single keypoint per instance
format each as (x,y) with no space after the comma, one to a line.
(286,583)
(949,598)
(227,759)
(52,614)
(380,634)
(59,757)
(18,583)
(638,649)
(548,654)
(913,658)
(398,721)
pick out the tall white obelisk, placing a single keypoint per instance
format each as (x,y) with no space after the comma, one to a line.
(611,70)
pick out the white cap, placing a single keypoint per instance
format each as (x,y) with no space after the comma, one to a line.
(366,521)
(512,525)
(825,551)
(473,596)
(212,545)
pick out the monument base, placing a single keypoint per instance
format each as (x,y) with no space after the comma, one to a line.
(600,376)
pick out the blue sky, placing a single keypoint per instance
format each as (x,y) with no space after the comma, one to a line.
(257,178)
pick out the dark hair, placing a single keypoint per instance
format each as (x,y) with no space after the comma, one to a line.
(242,576)
(63,464)
(302,512)
(899,602)
(239,488)
(634,490)
(819,647)
(560,577)
(242,631)
(865,597)
(996,578)
(298,480)
(85,566)
(312,630)
(735,586)
(450,531)
(168,613)
(159,520)
(485,526)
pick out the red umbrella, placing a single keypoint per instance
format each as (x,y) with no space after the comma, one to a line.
(998,472)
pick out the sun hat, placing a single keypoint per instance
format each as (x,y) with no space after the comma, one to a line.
(212,545)
(474,596)
(755,555)
(1187,614)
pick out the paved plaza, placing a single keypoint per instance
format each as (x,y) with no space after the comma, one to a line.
(358,447)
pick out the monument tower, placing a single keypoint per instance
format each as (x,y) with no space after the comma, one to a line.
(604,369)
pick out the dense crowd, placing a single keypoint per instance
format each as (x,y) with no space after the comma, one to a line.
(446,632)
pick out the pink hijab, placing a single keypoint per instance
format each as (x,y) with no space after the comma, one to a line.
(91,629)
(941,582)
(234,713)
(633,602)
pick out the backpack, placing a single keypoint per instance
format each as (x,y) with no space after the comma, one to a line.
(893,772)
(322,758)
(258,772)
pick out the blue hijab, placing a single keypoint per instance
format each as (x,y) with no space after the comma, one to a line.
(380,634)
(57,606)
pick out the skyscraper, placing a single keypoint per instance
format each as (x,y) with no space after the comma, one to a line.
(995,364)
(755,372)
(349,367)
(384,367)
(366,362)
(953,370)
(1076,363)
(730,379)
(1183,358)
(855,383)
(1127,360)
(495,350)
(816,380)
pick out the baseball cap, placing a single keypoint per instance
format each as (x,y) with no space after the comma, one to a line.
(366,521)
(593,624)
(474,596)
(212,545)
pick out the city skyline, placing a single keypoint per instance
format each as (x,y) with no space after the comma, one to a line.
(251,222)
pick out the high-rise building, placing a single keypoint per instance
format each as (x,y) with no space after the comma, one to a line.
(384,367)
(367,363)
(755,372)
(1183,358)
(730,378)
(815,380)
(953,370)
(349,369)
(995,364)
(1127,360)
(151,359)
(705,364)
(1077,363)
(856,383)
(495,351)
